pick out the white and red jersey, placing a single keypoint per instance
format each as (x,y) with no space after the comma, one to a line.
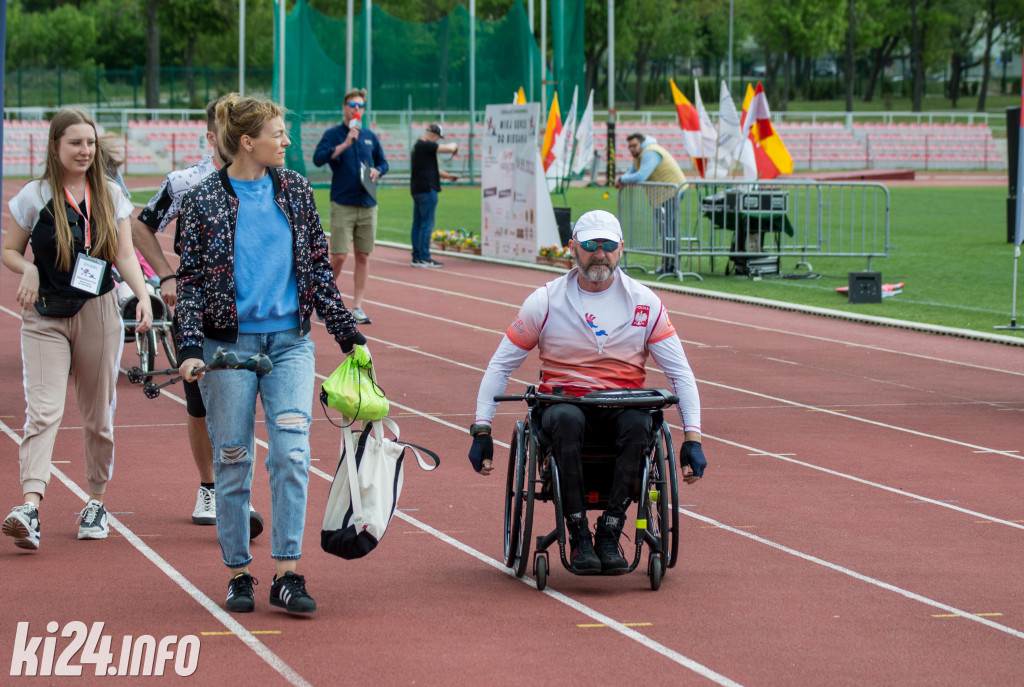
(591,341)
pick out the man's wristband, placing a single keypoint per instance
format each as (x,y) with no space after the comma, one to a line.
(478,428)
(167,278)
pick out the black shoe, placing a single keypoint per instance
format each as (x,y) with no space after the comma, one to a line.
(606,540)
(581,549)
(289,593)
(430,262)
(240,595)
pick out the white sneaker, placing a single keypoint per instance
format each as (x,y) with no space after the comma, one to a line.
(92,524)
(205,512)
(359,316)
(23,525)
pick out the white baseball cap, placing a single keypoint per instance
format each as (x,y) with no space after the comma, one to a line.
(597,224)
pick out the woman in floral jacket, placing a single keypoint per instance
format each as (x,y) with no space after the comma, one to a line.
(254,266)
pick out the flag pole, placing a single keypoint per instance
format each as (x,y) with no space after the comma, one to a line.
(1013,326)
(1018,233)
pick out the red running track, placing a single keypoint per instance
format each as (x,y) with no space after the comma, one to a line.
(860,521)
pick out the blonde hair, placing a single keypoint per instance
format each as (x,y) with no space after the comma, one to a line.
(239,116)
(104,227)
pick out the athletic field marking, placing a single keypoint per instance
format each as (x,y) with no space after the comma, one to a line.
(859,576)
(861,480)
(953,615)
(797,404)
(228,634)
(588,626)
(260,649)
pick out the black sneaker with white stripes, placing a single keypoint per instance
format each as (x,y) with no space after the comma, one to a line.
(240,595)
(289,592)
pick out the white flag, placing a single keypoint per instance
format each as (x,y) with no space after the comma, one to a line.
(563,145)
(585,138)
(708,135)
(733,147)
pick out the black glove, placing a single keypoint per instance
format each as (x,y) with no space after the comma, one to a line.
(693,455)
(481,450)
(349,342)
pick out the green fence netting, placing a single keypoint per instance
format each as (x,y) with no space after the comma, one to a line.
(420,66)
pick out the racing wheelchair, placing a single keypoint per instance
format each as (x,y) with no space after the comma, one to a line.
(533,475)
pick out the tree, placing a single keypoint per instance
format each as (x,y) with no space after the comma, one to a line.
(187,20)
(152,54)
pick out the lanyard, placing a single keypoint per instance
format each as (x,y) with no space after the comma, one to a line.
(86,216)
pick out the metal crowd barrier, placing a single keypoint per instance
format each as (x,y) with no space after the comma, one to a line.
(750,225)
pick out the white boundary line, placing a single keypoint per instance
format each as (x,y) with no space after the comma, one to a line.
(857,576)
(219,614)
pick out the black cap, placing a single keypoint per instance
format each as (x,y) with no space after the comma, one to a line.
(435,128)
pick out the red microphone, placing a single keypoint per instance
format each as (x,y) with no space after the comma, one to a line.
(357,121)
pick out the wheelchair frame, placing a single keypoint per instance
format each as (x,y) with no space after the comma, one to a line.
(534,476)
(146,342)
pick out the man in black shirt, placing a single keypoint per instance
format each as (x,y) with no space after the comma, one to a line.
(425,184)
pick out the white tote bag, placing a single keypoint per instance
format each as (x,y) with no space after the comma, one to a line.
(366,487)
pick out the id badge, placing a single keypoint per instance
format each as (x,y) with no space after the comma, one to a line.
(87,274)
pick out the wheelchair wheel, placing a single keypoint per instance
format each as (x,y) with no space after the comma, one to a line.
(673,483)
(542,573)
(654,570)
(513,493)
(527,494)
(167,343)
(658,516)
(146,345)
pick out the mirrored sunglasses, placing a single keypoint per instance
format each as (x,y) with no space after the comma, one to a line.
(356,105)
(591,246)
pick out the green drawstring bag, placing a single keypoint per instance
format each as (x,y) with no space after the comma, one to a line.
(352,388)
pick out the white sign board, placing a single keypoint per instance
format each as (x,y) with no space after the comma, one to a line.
(516,213)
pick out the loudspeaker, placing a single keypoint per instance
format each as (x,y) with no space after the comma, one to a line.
(1012,141)
(865,287)
(563,220)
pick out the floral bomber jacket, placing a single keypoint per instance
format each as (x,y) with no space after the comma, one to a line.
(206,275)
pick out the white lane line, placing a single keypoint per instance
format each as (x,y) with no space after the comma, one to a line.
(222,616)
(856,575)
(848,416)
(860,480)
(583,609)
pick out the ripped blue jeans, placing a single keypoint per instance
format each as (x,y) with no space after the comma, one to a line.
(287,397)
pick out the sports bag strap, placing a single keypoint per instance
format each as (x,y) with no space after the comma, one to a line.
(353,476)
(378,429)
(419,459)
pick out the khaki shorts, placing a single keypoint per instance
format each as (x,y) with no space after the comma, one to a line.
(352,224)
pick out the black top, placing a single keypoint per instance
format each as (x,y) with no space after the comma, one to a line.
(52,280)
(424,177)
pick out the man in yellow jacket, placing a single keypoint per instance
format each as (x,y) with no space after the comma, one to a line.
(652,163)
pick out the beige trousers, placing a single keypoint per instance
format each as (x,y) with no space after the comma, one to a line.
(88,347)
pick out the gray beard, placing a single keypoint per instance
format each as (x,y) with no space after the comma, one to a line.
(596,273)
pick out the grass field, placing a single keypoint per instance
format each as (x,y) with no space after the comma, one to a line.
(949,249)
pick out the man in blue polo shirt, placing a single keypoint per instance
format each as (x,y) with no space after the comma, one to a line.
(357,161)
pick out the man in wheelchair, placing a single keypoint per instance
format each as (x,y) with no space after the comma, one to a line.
(595,327)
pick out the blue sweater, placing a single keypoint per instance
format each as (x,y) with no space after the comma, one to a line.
(346,188)
(266,290)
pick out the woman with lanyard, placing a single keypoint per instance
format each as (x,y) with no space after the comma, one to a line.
(254,267)
(70,319)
